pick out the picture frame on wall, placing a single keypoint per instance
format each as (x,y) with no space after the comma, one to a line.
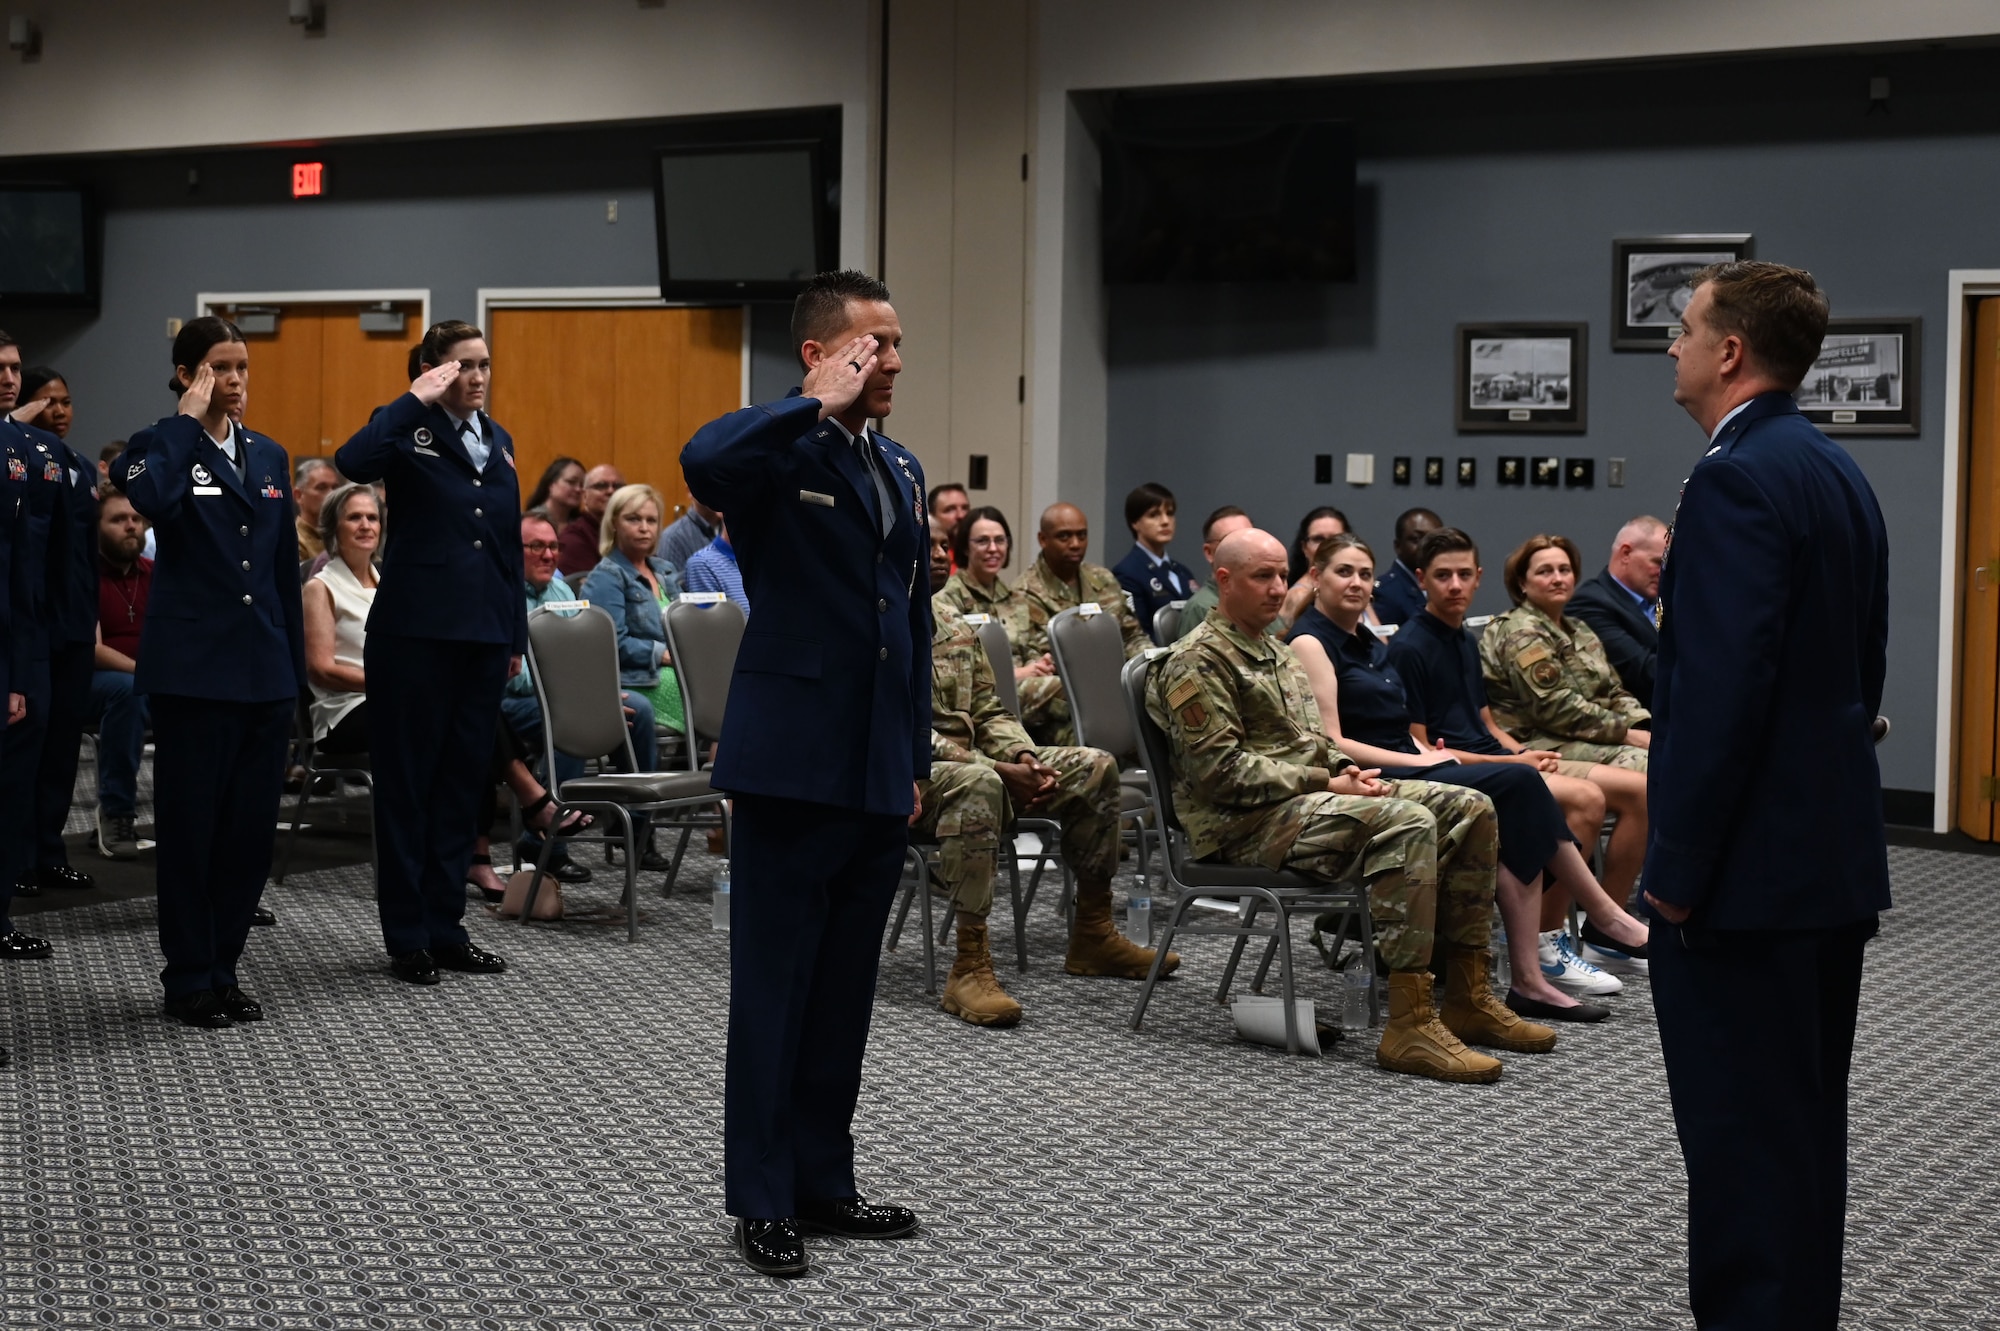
(1867,378)
(1520,378)
(1649,288)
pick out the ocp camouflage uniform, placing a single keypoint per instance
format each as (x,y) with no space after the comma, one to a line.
(1551,687)
(1041,695)
(1251,762)
(1045,596)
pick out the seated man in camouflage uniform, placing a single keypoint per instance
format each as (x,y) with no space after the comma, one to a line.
(1548,680)
(1059,580)
(1257,782)
(984,770)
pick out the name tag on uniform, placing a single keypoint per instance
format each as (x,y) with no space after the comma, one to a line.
(977,620)
(208,489)
(1089,608)
(703,598)
(815,497)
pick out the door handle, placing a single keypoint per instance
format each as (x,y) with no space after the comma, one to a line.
(1980,573)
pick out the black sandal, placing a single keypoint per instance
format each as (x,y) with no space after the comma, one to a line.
(491,896)
(575,821)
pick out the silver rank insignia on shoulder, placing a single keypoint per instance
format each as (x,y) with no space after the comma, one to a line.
(423,434)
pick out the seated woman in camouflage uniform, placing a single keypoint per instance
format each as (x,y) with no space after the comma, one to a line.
(981,546)
(1547,678)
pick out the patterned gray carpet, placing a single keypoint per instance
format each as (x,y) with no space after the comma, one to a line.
(541,1149)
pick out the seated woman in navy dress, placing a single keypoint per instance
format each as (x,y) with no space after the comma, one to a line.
(1362,707)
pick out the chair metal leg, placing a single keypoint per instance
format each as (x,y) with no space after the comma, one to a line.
(1181,906)
(903,910)
(1283,939)
(1264,966)
(674,869)
(1020,910)
(1251,905)
(632,880)
(298,816)
(944,927)
(541,869)
(1366,928)
(930,953)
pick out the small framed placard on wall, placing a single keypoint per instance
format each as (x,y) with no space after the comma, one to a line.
(1865,380)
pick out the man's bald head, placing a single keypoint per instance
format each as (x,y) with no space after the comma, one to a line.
(1638,554)
(1065,539)
(1251,568)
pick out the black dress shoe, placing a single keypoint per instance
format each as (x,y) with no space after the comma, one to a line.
(854,1218)
(472,960)
(239,1005)
(263,917)
(774,1247)
(414,968)
(202,1008)
(567,870)
(27,886)
(1538,1010)
(62,876)
(18,946)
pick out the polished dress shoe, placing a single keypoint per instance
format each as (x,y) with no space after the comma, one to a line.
(414,968)
(63,877)
(774,1247)
(239,1005)
(854,1218)
(263,917)
(1537,1010)
(27,886)
(469,959)
(201,1008)
(18,946)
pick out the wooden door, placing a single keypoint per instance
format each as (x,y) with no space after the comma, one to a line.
(315,379)
(623,386)
(1979,666)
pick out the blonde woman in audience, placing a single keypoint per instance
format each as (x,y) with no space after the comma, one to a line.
(634,585)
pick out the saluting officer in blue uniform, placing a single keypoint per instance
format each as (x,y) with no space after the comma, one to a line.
(447,629)
(221,660)
(826,733)
(39,550)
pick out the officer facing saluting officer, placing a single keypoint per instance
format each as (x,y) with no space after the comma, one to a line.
(221,660)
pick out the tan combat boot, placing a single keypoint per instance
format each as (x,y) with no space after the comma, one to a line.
(1474,1015)
(1097,948)
(1415,1041)
(972,992)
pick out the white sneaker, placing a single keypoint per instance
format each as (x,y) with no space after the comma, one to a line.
(1563,967)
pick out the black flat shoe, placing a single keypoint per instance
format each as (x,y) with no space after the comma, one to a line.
(18,946)
(567,870)
(239,1005)
(774,1247)
(469,959)
(263,918)
(414,968)
(203,1009)
(1536,1009)
(62,877)
(854,1218)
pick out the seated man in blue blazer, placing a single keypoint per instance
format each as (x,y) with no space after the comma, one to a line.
(1619,604)
(1767,859)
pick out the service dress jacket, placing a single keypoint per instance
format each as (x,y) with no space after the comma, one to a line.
(1764,793)
(452,570)
(830,701)
(223,619)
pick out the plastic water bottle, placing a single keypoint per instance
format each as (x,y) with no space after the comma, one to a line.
(1357,978)
(721,920)
(1139,920)
(1503,964)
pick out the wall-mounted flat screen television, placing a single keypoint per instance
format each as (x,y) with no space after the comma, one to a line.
(48,247)
(743,221)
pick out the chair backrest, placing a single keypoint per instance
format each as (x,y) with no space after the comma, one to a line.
(1090,651)
(1167,622)
(1155,749)
(574,659)
(1000,654)
(702,639)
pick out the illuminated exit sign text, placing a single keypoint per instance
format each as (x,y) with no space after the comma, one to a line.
(308,179)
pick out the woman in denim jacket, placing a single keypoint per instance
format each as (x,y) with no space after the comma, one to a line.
(633,585)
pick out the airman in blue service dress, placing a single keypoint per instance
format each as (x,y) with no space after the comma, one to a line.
(222,661)
(72,652)
(827,728)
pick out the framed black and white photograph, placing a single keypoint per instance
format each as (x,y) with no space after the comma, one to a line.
(1866,379)
(1649,283)
(1521,378)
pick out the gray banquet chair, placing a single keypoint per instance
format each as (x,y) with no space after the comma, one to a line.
(702,639)
(348,767)
(1090,651)
(1167,622)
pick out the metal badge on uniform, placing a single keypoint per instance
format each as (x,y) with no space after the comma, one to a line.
(201,476)
(423,434)
(815,497)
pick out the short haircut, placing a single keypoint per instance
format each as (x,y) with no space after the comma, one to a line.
(961,535)
(111,450)
(1443,541)
(336,504)
(305,468)
(195,340)
(820,312)
(1334,544)
(443,336)
(416,363)
(7,339)
(1779,312)
(1144,499)
(1404,519)
(36,378)
(540,515)
(1226,511)
(1515,572)
(624,497)
(949,487)
(1643,525)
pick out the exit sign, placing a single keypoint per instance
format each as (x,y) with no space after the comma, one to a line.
(308,179)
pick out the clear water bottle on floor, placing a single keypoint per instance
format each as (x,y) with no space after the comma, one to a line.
(721,920)
(1357,979)
(1139,919)
(1503,965)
